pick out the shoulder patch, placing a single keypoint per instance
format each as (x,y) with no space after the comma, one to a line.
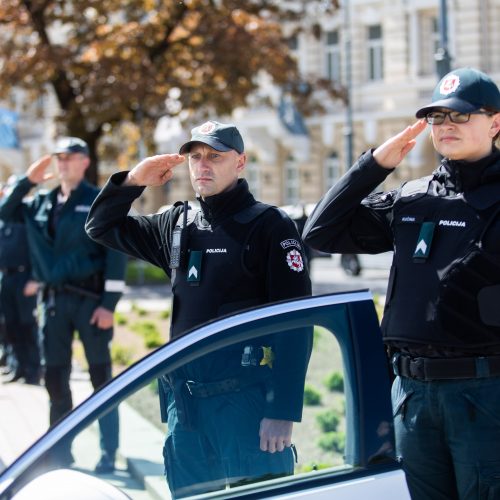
(294,261)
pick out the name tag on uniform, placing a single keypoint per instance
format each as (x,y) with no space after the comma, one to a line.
(194,267)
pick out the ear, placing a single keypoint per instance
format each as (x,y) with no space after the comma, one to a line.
(242,161)
(495,125)
(87,162)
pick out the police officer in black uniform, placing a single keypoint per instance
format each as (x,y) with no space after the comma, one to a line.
(81,281)
(230,414)
(17,308)
(442,317)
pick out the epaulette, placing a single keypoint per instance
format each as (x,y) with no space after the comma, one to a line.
(415,188)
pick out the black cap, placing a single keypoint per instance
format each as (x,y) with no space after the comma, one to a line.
(464,90)
(219,136)
(71,145)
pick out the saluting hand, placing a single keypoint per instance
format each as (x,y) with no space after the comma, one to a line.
(392,151)
(36,172)
(153,171)
(275,435)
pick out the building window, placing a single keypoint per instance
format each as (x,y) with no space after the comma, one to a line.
(332,169)
(252,175)
(293,43)
(429,43)
(292,181)
(375,53)
(332,56)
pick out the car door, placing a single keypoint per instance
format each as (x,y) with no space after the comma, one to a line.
(345,442)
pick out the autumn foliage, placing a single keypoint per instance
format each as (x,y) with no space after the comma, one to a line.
(108,60)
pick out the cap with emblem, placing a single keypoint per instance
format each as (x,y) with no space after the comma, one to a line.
(464,90)
(219,136)
(71,145)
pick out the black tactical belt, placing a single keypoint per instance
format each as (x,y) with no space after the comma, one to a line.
(208,389)
(445,368)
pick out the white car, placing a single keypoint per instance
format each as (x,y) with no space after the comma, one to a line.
(345,442)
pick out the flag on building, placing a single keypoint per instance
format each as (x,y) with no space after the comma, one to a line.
(8,129)
(290,116)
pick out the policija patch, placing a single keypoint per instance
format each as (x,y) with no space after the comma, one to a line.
(294,261)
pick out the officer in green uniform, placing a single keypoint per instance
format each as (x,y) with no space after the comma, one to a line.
(230,414)
(81,281)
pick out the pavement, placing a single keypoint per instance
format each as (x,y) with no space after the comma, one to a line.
(24,408)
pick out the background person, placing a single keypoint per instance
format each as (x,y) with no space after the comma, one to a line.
(17,305)
(230,413)
(442,319)
(82,281)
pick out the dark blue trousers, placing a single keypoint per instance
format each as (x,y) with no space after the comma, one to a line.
(448,436)
(224,448)
(72,312)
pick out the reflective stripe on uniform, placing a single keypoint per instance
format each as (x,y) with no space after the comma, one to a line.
(114,286)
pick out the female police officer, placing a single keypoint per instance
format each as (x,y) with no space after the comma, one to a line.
(441,321)
(230,415)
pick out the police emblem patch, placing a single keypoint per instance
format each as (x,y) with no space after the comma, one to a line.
(449,85)
(294,261)
(207,128)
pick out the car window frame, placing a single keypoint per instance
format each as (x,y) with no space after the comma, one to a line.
(365,387)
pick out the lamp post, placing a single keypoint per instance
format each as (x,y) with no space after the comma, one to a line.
(442,56)
(348,128)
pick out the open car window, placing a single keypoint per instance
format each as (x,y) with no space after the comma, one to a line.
(345,432)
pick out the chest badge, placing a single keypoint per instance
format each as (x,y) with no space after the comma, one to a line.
(294,261)
(194,268)
(424,241)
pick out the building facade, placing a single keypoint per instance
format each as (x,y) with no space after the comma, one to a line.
(392,69)
(382,51)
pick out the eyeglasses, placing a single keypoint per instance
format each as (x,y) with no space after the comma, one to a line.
(438,117)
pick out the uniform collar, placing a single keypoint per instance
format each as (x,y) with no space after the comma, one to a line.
(465,176)
(221,206)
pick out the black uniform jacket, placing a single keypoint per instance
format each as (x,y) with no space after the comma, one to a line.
(444,229)
(269,262)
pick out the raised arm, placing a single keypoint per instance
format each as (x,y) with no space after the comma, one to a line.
(348,219)
(109,222)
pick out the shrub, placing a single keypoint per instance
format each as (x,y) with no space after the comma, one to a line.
(153,339)
(328,421)
(311,396)
(121,355)
(150,332)
(335,382)
(165,314)
(143,273)
(332,441)
(138,310)
(309,467)
(317,334)
(120,318)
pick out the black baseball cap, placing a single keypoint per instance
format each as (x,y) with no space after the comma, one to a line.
(464,90)
(219,136)
(71,145)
